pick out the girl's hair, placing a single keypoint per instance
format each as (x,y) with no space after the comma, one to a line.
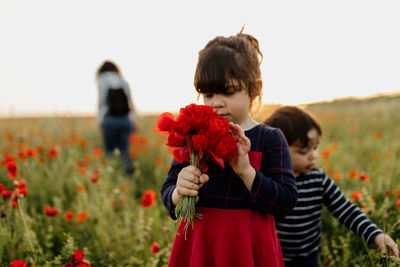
(226,58)
(294,123)
(108,65)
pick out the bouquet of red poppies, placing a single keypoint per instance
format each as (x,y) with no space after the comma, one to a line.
(197,135)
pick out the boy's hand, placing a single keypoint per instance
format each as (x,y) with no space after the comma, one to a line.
(190,180)
(382,240)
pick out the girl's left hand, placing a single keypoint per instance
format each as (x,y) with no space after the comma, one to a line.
(240,163)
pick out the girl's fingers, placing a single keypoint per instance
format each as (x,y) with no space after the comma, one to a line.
(186,192)
(203,179)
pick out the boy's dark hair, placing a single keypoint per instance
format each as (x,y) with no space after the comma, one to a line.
(294,123)
(108,65)
(227,58)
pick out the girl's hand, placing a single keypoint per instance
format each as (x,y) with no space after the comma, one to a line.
(240,163)
(190,180)
(382,240)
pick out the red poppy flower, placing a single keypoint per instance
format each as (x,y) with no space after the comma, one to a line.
(69,215)
(94,178)
(77,260)
(148,198)
(81,217)
(364,177)
(52,153)
(7,159)
(2,188)
(155,247)
(398,203)
(164,122)
(98,152)
(50,211)
(31,152)
(356,195)
(352,173)
(18,263)
(12,169)
(6,194)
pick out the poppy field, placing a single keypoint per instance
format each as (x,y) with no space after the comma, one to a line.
(64,203)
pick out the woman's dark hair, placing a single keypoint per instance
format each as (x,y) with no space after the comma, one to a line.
(108,65)
(226,58)
(294,123)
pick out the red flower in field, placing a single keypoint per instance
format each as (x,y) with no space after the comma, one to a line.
(325,154)
(364,177)
(356,195)
(69,215)
(6,194)
(98,152)
(40,148)
(22,155)
(378,135)
(81,188)
(81,217)
(21,185)
(2,188)
(18,263)
(398,203)
(155,247)
(94,178)
(50,211)
(12,169)
(148,198)
(338,176)
(52,153)
(7,159)
(14,203)
(396,192)
(77,260)
(352,173)
(31,152)
(387,192)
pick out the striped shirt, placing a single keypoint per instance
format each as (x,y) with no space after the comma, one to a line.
(300,233)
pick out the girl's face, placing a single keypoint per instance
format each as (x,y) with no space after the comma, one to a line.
(233,105)
(304,159)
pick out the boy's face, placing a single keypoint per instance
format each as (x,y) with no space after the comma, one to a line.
(233,105)
(304,159)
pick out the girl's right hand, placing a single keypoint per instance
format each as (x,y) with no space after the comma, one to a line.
(190,180)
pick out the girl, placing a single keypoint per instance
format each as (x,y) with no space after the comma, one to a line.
(116,114)
(299,232)
(237,202)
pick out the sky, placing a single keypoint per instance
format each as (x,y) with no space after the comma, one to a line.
(313,50)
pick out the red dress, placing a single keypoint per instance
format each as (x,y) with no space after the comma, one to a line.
(228,237)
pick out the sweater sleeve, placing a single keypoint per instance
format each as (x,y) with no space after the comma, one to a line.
(102,105)
(274,188)
(347,213)
(169,185)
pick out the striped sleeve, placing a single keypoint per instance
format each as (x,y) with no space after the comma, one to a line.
(274,188)
(348,213)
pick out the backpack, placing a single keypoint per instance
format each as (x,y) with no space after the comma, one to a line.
(117,102)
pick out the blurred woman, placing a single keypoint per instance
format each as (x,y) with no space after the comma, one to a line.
(116,113)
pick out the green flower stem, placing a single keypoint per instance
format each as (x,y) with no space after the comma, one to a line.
(186,209)
(25,224)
